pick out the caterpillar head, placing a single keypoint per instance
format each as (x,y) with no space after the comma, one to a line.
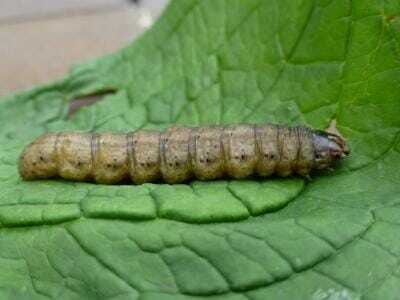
(328,148)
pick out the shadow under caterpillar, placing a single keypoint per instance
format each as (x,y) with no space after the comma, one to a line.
(182,153)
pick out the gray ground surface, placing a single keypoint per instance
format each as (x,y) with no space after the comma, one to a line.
(41,39)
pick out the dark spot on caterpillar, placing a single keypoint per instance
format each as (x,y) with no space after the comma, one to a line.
(323,133)
(243,157)
(41,158)
(108,165)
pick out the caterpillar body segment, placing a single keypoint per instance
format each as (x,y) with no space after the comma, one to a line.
(143,156)
(181,153)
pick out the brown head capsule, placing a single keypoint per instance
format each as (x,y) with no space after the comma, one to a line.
(182,153)
(328,148)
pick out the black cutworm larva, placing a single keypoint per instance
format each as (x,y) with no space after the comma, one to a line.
(182,153)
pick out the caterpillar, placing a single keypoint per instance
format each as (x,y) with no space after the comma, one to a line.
(182,153)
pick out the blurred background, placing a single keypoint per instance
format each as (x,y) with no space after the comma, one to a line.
(41,39)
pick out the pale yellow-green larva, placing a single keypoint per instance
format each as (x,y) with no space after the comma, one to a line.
(181,153)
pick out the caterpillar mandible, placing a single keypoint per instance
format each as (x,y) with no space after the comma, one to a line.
(182,153)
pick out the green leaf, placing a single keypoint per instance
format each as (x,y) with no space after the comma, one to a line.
(203,62)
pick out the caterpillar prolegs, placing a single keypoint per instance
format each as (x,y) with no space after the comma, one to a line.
(181,153)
